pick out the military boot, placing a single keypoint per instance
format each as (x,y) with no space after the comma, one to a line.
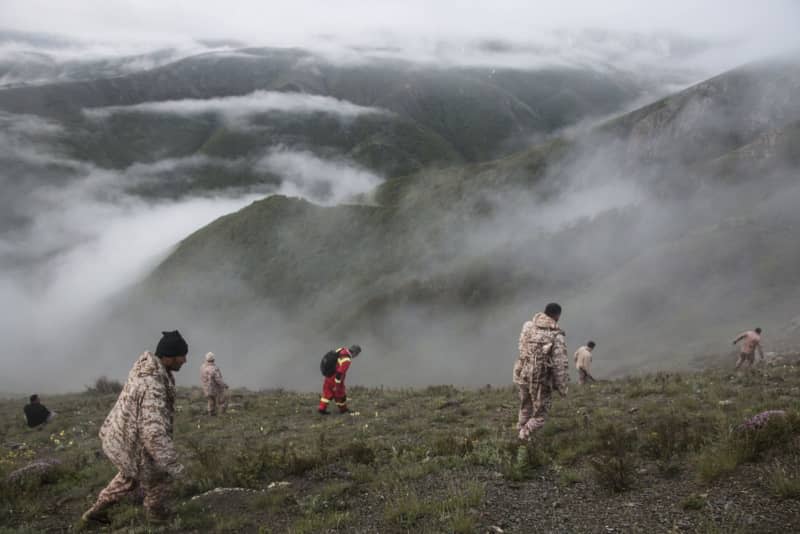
(158,515)
(95,515)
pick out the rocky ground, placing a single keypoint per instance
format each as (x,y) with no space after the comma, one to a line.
(655,453)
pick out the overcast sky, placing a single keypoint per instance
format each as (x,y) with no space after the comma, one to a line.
(766,25)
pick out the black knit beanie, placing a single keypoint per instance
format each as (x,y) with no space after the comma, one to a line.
(172,344)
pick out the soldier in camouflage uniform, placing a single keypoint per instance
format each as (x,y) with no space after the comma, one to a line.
(137,434)
(214,388)
(541,368)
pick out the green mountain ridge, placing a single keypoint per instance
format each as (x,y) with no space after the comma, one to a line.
(435,117)
(476,110)
(458,242)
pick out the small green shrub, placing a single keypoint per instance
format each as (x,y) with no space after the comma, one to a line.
(315,523)
(715,461)
(405,511)
(614,464)
(520,461)
(358,452)
(452,511)
(693,502)
(750,444)
(485,453)
(104,386)
(449,445)
(445,390)
(567,477)
(783,483)
(462,523)
(274,500)
(671,436)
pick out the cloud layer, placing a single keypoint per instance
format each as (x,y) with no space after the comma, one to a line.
(324,181)
(238,108)
(421,28)
(73,236)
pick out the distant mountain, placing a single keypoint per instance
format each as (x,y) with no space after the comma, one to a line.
(649,276)
(476,110)
(418,116)
(714,117)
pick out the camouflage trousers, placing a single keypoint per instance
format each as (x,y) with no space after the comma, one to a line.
(217,401)
(156,491)
(746,359)
(534,402)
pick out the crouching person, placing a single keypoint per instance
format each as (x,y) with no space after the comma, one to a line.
(36,413)
(540,369)
(137,434)
(214,388)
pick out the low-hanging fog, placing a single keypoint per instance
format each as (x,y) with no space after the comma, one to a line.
(76,237)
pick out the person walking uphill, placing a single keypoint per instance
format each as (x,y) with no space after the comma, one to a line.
(137,434)
(333,387)
(540,369)
(583,362)
(751,343)
(214,388)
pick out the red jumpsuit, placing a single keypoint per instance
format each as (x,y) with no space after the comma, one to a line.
(333,386)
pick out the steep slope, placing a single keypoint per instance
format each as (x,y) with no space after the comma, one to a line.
(439,458)
(714,117)
(486,242)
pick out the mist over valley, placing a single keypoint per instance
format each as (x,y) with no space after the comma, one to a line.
(420,196)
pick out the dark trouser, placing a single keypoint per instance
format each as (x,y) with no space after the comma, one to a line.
(746,359)
(583,376)
(220,400)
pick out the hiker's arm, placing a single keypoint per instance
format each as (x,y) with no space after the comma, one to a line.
(218,379)
(525,339)
(560,364)
(154,428)
(739,337)
(341,372)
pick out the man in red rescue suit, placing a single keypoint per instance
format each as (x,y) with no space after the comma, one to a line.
(333,387)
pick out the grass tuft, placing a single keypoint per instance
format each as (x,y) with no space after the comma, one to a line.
(784,483)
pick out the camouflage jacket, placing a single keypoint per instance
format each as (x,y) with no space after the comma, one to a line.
(542,354)
(137,434)
(211,378)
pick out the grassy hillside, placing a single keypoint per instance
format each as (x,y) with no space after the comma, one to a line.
(404,249)
(714,117)
(389,145)
(700,248)
(654,453)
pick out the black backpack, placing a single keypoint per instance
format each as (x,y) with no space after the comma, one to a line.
(328,364)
